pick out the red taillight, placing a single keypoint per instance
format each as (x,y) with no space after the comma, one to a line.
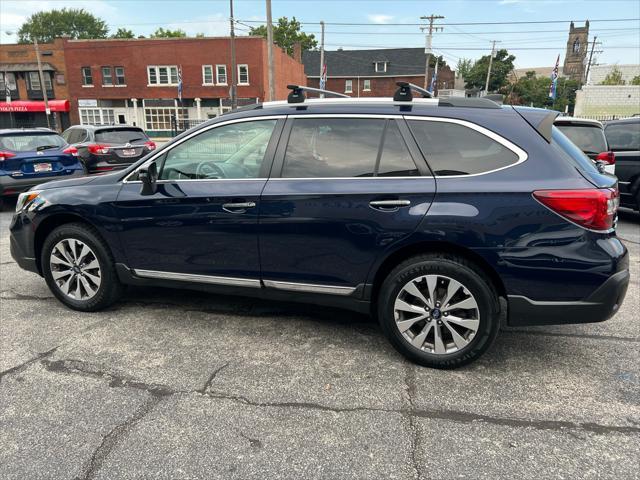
(71,151)
(150,145)
(593,208)
(607,157)
(6,155)
(98,149)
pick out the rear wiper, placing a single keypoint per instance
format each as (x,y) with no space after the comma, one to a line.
(46,147)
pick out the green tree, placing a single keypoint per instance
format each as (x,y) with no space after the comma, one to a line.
(534,90)
(200,35)
(614,77)
(162,33)
(123,33)
(463,67)
(635,80)
(72,22)
(287,33)
(500,68)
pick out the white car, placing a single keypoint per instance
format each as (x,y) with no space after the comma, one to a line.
(588,136)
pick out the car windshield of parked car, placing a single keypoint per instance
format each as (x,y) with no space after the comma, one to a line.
(120,136)
(28,142)
(623,136)
(589,139)
(571,152)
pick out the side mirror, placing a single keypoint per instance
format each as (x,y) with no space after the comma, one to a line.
(148,176)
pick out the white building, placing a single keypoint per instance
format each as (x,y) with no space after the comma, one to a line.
(598,73)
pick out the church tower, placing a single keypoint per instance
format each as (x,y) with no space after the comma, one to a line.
(577,45)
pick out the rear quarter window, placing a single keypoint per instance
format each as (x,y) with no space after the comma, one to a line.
(455,149)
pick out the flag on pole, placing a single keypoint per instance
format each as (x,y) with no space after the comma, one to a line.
(434,78)
(323,77)
(554,80)
(180,82)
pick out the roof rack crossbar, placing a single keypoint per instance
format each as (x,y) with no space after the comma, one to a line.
(297,93)
(403,94)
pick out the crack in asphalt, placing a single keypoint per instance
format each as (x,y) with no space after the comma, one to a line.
(25,364)
(212,377)
(573,335)
(410,382)
(115,436)
(20,296)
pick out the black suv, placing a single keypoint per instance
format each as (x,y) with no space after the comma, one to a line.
(442,218)
(623,137)
(107,148)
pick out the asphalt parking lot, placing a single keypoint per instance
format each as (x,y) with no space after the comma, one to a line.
(183,385)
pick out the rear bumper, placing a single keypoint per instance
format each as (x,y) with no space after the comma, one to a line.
(14,186)
(601,305)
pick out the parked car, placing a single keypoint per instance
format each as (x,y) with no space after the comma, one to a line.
(589,136)
(442,218)
(107,148)
(624,140)
(34,155)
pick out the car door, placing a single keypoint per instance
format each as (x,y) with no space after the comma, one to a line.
(201,223)
(346,190)
(624,141)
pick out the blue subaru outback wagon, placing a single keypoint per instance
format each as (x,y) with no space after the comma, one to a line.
(443,218)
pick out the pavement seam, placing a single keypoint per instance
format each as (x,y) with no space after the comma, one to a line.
(23,365)
(115,437)
(410,382)
(76,367)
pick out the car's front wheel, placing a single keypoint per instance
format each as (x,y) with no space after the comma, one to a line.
(439,310)
(79,269)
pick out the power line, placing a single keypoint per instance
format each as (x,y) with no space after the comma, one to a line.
(528,22)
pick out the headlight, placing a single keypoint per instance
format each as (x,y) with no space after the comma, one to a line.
(26,199)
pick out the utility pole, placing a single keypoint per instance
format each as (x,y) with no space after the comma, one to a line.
(593,46)
(320,83)
(427,49)
(43,86)
(272,87)
(234,67)
(493,53)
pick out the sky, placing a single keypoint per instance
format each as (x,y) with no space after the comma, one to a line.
(533,44)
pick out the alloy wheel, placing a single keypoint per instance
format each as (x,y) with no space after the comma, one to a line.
(436,314)
(75,269)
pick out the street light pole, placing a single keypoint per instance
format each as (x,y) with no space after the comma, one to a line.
(43,86)
(234,67)
(493,52)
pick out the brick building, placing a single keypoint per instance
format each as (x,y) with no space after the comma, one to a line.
(19,69)
(135,81)
(373,73)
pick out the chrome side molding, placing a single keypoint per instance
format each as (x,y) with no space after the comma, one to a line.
(309,287)
(190,277)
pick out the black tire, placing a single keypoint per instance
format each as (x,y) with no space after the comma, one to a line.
(110,289)
(471,277)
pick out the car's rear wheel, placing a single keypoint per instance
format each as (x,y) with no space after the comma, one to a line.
(78,268)
(439,310)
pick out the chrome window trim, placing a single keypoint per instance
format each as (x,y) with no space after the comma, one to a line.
(308,287)
(414,177)
(198,132)
(521,154)
(190,277)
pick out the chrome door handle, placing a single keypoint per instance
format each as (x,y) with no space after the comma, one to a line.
(389,204)
(237,207)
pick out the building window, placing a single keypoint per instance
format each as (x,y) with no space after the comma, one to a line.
(366,85)
(96,116)
(243,74)
(87,78)
(159,118)
(162,75)
(107,76)
(120,80)
(348,86)
(576,47)
(221,73)
(207,75)
(10,82)
(380,66)
(34,81)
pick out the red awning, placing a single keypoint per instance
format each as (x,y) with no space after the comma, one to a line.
(34,106)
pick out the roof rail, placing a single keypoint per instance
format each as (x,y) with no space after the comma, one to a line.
(403,94)
(297,93)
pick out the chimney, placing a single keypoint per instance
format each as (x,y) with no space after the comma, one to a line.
(297,52)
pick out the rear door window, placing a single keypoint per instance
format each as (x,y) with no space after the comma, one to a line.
(395,159)
(455,149)
(589,139)
(623,136)
(120,136)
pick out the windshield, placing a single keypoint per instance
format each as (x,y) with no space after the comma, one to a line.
(571,152)
(588,139)
(624,136)
(120,136)
(29,142)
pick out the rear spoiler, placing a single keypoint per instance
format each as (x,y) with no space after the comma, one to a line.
(541,120)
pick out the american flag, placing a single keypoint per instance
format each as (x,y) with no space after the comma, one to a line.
(180,82)
(434,78)
(323,77)
(554,80)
